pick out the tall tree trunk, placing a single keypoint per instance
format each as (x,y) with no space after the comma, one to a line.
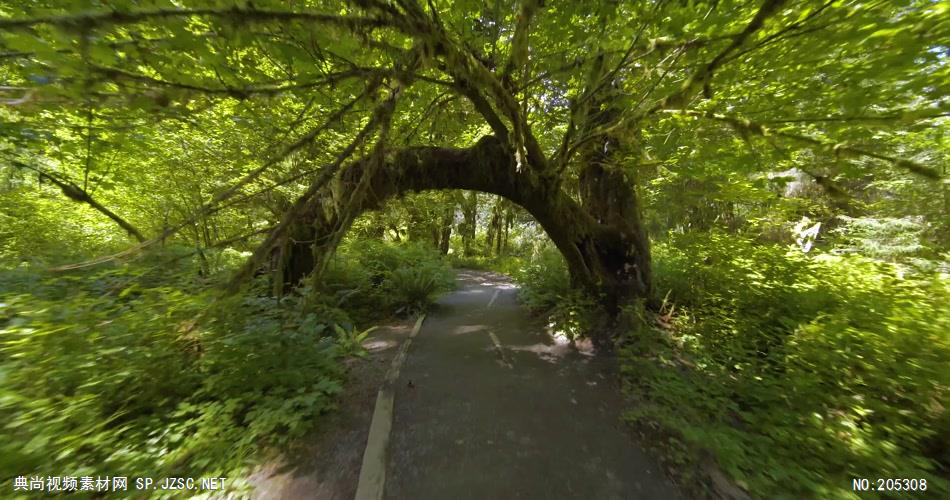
(509,220)
(469,222)
(602,240)
(448,217)
(608,193)
(493,228)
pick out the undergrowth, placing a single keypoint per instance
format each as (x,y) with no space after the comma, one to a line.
(146,370)
(372,277)
(546,290)
(104,375)
(796,373)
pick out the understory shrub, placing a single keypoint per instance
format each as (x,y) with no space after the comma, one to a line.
(372,277)
(505,264)
(546,290)
(477,262)
(144,370)
(798,373)
(110,372)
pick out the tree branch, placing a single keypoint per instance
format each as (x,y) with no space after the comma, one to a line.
(464,67)
(212,206)
(750,127)
(380,115)
(518,58)
(298,144)
(796,26)
(245,14)
(237,92)
(76,193)
(700,80)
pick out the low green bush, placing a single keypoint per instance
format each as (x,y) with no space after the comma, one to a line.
(476,262)
(505,264)
(796,372)
(547,291)
(144,370)
(544,280)
(411,290)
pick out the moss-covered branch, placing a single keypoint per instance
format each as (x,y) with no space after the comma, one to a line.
(754,128)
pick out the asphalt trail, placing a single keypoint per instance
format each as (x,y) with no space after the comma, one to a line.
(489,406)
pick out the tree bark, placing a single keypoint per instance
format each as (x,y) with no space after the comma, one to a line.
(608,193)
(445,235)
(469,223)
(603,241)
(494,228)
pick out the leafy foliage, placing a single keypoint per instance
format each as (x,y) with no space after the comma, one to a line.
(350,341)
(104,371)
(144,368)
(797,372)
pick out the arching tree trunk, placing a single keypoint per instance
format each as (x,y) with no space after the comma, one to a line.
(602,241)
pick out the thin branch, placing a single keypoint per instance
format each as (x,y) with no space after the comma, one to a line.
(796,26)
(217,244)
(896,117)
(700,80)
(289,150)
(484,108)
(244,14)
(88,162)
(440,100)
(465,68)
(518,58)
(747,126)
(594,90)
(238,92)
(76,193)
(212,206)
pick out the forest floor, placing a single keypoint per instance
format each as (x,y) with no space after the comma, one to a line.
(488,405)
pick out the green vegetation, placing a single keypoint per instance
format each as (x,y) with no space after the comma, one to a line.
(402,278)
(141,369)
(546,289)
(794,372)
(120,370)
(206,206)
(797,372)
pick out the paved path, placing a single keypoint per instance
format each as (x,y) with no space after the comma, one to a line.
(531,419)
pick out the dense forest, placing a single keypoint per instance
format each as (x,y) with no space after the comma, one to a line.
(205,205)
